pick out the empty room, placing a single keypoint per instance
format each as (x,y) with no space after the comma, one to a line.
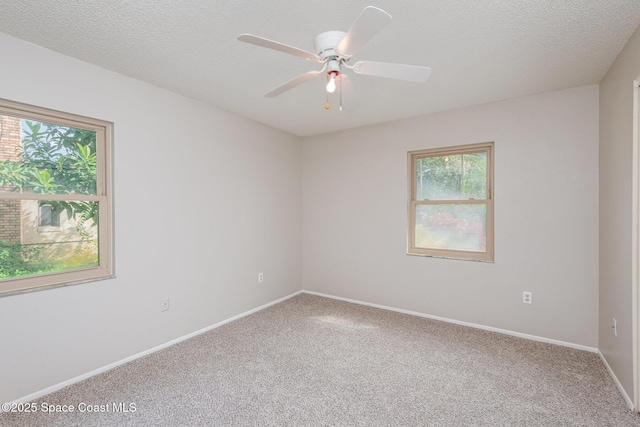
(313,213)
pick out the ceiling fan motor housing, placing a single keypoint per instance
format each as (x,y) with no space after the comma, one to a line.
(325,44)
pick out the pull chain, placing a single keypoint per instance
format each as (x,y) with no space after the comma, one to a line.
(341,78)
(326,105)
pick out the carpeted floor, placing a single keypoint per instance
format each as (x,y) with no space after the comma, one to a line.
(312,361)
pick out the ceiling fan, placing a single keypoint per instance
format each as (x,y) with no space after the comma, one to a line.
(334,49)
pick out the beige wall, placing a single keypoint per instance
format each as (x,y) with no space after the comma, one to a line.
(616,165)
(205,200)
(546,217)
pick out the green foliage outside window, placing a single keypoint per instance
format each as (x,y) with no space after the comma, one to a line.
(54,160)
(452,177)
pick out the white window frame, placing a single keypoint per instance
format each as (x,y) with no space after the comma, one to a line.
(413,156)
(104,196)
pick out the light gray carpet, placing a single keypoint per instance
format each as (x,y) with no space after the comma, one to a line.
(312,361)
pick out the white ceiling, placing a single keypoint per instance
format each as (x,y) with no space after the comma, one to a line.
(479,50)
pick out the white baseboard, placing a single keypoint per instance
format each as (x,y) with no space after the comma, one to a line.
(616,381)
(458,322)
(82,377)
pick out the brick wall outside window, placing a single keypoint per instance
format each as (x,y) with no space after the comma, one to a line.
(10,147)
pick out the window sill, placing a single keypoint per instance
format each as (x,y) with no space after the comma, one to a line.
(452,257)
(48,229)
(89,276)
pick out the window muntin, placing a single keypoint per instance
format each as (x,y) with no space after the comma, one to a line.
(451,203)
(55,175)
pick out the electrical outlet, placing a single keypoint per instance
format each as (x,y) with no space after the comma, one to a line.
(260,277)
(164,304)
(614,326)
(527,297)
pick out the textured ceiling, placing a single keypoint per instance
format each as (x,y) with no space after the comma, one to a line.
(479,50)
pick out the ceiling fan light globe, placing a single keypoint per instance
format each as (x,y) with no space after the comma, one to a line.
(331,85)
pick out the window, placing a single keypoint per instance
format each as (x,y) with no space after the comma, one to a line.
(49,217)
(55,175)
(451,202)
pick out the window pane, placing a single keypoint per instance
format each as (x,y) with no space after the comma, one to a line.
(49,216)
(45,158)
(26,248)
(452,177)
(461,227)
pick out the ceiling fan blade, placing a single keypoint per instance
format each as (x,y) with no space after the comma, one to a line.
(270,44)
(293,83)
(370,21)
(412,73)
